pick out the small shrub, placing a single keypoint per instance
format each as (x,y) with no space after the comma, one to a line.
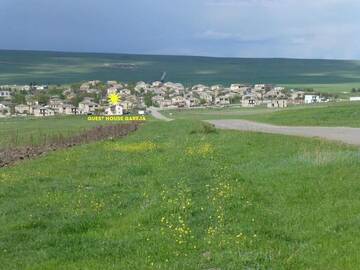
(205,129)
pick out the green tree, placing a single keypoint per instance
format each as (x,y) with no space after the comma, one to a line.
(148,99)
(42,98)
(18,98)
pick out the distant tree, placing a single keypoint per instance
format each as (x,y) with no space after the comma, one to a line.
(101,86)
(76,100)
(235,99)
(42,98)
(202,101)
(148,99)
(18,98)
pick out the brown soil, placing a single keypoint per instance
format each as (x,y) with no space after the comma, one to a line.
(12,155)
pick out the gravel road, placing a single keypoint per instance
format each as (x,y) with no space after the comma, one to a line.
(155,112)
(341,134)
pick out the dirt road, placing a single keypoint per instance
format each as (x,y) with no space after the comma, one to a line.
(342,134)
(155,112)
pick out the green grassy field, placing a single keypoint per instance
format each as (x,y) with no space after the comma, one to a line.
(34,131)
(332,114)
(342,89)
(180,196)
(23,67)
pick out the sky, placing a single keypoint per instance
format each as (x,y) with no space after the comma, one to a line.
(323,29)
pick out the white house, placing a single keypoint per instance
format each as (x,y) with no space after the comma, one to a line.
(43,111)
(200,87)
(4,110)
(355,99)
(178,101)
(5,94)
(111,90)
(192,102)
(216,87)
(206,96)
(125,91)
(222,100)
(157,84)
(310,99)
(236,86)
(87,107)
(22,109)
(250,100)
(114,110)
(278,103)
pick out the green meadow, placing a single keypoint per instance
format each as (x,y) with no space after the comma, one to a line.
(35,131)
(343,114)
(181,195)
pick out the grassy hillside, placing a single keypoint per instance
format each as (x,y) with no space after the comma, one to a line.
(57,68)
(334,114)
(342,114)
(180,196)
(33,131)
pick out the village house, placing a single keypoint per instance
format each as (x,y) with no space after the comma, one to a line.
(111,90)
(157,84)
(114,110)
(206,96)
(222,100)
(40,87)
(274,94)
(56,104)
(125,92)
(235,87)
(354,99)
(127,105)
(94,83)
(111,83)
(178,101)
(200,88)
(22,109)
(93,91)
(84,87)
(87,106)
(4,110)
(192,102)
(310,99)
(165,103)
(249,100)
(216,87)
(4,94)
(157,99)
(141,87)
(297,97)
(278,103)
(26,88)
(177,87)
(40,111)
(68,109)
(263,88)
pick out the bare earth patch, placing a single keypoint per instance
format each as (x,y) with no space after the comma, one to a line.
(12,155)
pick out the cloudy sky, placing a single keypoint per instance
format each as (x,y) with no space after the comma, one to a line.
(231,28)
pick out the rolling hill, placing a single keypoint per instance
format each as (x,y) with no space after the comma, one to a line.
(21,67)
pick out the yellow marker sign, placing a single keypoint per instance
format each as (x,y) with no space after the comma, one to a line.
(114,99)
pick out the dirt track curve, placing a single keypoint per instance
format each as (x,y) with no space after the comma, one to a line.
(341,134)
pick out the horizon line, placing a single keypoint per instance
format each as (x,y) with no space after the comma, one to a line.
(176,55)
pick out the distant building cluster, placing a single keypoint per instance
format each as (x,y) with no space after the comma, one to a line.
(175,95)
(91,97)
